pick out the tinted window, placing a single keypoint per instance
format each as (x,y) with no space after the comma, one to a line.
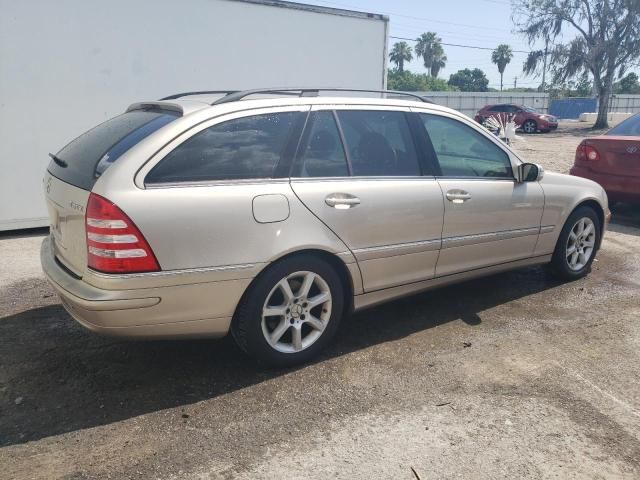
(497,108)
(324,154)
(89,155)
(463,152)
(630,127)
(379,143)
(244,148)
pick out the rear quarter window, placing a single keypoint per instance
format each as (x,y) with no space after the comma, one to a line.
(240,149)
(92,153)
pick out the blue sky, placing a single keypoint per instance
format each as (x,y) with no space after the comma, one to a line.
(483,23)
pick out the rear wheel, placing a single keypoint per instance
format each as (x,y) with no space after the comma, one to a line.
(530,126)
(577,245)
(291,312)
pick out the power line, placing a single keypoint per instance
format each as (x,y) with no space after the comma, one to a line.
(457,45)
(412,17)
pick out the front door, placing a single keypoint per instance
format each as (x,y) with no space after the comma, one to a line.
(358,172)
(489,217)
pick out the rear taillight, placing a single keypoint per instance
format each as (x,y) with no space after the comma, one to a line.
(587,153)
(114,243)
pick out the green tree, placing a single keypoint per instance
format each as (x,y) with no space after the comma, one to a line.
(429,47)
(401,53)
(501,56)
(415,82)
(469,80)
(439,60)
(607,39)
(628,84)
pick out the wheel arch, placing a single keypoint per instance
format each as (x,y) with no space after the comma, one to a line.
(597,207)
(347,279)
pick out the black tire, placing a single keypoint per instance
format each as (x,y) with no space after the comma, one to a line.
(531,125)
(247,328)
(559,266)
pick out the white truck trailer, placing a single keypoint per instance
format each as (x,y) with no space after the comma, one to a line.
(67,65)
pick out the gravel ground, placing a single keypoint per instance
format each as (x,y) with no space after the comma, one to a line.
(512,376)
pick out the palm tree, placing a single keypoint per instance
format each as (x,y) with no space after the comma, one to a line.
(501,56)
(439,60)
(428,45)
(401,53)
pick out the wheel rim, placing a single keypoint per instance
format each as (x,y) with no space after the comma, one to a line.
(581,244)
(529,127)
(296,312)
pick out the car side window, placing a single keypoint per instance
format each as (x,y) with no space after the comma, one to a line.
(463,152)
(379,143)
(243,148)
(323,155)
(497,108)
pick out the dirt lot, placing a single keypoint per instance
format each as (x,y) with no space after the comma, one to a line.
(513,376)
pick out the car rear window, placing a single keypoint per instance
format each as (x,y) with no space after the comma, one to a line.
(629,128)
(88,156)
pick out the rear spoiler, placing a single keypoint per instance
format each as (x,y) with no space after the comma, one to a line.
(173,107)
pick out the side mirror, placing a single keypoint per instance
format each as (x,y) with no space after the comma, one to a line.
(530,172)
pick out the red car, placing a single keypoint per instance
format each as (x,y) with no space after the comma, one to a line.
(529,119)
(613,160)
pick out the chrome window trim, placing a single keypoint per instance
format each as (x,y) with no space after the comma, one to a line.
(481,179)
(218,183)
(360,178)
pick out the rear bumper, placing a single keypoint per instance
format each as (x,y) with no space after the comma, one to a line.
(172,310)
(617,187)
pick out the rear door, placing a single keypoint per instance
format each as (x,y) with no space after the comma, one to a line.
(358,171)
(75,169)
(489,218)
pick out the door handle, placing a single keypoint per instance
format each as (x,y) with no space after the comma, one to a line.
(342,201)
(458,196)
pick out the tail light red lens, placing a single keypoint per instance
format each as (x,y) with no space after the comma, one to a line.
(114,243)
(587,153)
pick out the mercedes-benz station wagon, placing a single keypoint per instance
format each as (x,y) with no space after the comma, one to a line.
(273,214)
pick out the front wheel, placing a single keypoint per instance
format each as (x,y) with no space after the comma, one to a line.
(530,126)
(577,245)
(291,311)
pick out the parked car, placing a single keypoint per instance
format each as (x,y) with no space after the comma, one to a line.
(274,217)
(613,160)
(529,119)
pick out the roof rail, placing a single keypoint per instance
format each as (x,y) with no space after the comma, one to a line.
(202,92)
(302,92)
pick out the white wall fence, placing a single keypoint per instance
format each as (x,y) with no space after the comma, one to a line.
(625,103)
(470,102)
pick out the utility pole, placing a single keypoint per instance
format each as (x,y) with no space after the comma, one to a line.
(544,64)
(515,83)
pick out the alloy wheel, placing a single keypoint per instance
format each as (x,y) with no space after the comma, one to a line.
(529,127)
(581,244)
(296,312)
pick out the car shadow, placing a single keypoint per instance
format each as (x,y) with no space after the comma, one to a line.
(625,214)
(55,377)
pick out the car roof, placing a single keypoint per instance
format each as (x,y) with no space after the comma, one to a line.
(197,103)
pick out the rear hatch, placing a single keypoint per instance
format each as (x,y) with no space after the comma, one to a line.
(619,155)
(75,169)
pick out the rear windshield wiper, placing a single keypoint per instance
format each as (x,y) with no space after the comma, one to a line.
(58,160)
